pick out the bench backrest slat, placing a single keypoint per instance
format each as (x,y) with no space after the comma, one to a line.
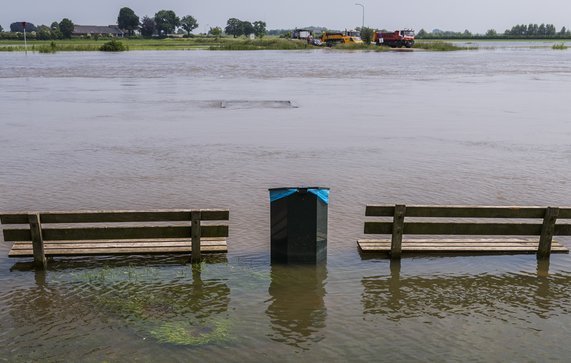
(473,229)
(504,228)
(465,211)
(115,216)
(114,233)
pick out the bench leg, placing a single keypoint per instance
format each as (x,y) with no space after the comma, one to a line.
(195,228)
(547,230)
(398,227)
(37,241)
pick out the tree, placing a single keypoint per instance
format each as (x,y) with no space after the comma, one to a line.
(541,30)
(216,31)
(561,33)
(43,33)
(128,20)
(247,28)
(260,28)
(188,23)
(54,26)
(18,27)
(166,22)
(66,27)
(421,33)
(2,29)
(467,34)
(148,27)
(492,33)
(367,35)
(234,27)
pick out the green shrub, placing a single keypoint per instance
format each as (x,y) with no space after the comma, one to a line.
(560,46)
(113,46)
(51,48)
(440,46)
(259,44)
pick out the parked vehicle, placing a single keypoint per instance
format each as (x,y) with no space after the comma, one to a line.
(346,37)
(396,39)
(302,34)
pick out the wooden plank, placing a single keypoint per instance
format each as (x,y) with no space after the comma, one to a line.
(131,216)
(14,218)
(116,216)
(562,230)
(118,251)
(385,248)
(380,211)
(531,247)
(112,245)
(507,229)
(454,240)
(203,241)
(377,228)
(398,224)
(564,213)
(195,219)
(37,241)
(462,249)
(56,234)
(547,229)
(460,211)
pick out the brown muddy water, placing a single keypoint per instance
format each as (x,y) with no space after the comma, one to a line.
(145,130)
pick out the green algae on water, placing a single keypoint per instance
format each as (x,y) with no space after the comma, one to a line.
(187,333)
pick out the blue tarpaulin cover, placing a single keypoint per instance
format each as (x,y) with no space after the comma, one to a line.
(277,194)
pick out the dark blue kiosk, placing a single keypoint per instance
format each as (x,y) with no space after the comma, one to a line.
(299,225)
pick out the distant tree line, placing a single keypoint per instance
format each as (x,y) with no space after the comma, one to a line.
(162,24)
(237,27)
(57,30)
(531,31)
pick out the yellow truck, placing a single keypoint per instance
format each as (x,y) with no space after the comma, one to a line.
(346,37)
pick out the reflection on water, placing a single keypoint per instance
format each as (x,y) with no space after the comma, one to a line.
(85,307)
(296,309)
(491,296)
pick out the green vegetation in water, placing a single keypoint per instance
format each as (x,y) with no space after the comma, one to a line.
(113,46)
(560,46)
(261,44)
(355,46)
(185,333)
(440,46)
(50,49)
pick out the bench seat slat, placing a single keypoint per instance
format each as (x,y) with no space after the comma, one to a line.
(460,245)
(22,249)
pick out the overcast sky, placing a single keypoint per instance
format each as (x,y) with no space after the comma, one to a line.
(476,16)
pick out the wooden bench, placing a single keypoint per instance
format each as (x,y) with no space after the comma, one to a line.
(430,220)
(87,233)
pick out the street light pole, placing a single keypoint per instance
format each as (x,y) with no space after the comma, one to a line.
(362,6)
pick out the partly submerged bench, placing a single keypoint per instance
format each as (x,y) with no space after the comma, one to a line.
(114,232)
(452,234)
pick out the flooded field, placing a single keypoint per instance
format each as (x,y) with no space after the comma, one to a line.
(161,130)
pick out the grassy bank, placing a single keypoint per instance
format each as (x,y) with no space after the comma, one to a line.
(205,43)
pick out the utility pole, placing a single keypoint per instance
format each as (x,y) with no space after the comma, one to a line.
(362,6)
(25,42)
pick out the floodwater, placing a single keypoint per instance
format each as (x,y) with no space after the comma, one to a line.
(148,130)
